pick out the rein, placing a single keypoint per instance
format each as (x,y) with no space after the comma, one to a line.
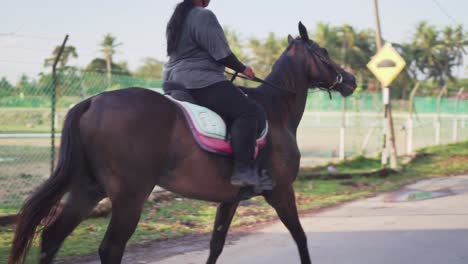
(320,85)
(256,79)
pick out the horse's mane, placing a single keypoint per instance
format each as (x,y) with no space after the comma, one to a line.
(272,99)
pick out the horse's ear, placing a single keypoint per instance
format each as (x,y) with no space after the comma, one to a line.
(303,32)
(290,39)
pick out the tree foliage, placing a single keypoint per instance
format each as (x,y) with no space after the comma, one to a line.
(265,52)
(6,88)
(236,44)
(432,54)
(68,53)
(99,65)
(109,48)
(151,69)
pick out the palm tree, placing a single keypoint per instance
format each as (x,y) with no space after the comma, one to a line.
(427,46)
(108,48)
(437,52)
(68,53)
(347,46)
(452,51)
(409,77)
(356,48)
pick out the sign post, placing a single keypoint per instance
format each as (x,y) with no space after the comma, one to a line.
(386,65)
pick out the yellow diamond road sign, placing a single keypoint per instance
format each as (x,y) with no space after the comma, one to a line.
(386,64)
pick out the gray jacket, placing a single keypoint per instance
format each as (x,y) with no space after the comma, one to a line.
(202,43)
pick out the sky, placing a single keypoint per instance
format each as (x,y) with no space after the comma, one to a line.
(31,29)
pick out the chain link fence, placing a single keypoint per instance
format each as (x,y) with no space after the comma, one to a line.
(26,121)
(319,133)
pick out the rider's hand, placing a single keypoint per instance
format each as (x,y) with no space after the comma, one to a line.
(249,73)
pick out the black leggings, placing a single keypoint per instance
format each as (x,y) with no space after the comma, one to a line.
(246,117)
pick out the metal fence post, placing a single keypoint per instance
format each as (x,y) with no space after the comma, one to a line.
(410,122)
(437,119)
(455,116)
(53,106)
(343,128)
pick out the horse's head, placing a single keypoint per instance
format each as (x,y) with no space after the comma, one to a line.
(322,71)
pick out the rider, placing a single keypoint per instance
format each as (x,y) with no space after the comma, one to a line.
(198,54)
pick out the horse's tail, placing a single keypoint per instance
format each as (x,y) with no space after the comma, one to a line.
(39,205)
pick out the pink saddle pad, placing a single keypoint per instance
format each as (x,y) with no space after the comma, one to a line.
(213,144)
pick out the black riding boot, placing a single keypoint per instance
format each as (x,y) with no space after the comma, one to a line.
(246,171)
(227,100)
(244,174)
(243,132)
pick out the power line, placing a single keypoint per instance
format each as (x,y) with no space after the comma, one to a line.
(86,52)
(26,49)
(13,32)
(21,62)
(14,35)
(443,10)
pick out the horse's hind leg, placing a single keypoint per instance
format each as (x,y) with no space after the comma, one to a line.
(284,202)
(224,216)
(79,204)
(126,211)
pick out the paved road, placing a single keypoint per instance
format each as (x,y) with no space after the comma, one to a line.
(370,231)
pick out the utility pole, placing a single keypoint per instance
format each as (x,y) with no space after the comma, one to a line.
(389,132)
(378,33)
(343,107)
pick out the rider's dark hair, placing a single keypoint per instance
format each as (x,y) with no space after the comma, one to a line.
(174,27)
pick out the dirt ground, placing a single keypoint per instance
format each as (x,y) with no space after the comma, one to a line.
(33,142)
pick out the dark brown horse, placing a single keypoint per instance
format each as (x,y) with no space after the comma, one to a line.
(121,144)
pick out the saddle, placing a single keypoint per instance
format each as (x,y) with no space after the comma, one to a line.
(208,128)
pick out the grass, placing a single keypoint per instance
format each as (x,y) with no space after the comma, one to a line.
(179,217)
(27,120)
(22,154)
(357,165)
(42,128)
(21,170)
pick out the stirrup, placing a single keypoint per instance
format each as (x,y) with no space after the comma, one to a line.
(266,182)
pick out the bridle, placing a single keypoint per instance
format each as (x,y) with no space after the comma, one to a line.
(320,85)
(338,76)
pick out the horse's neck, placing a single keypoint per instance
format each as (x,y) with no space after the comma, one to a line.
(290,76)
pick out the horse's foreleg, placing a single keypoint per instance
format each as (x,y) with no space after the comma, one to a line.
(224,216)
(282,199)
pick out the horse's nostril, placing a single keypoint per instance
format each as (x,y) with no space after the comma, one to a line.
(353,80)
